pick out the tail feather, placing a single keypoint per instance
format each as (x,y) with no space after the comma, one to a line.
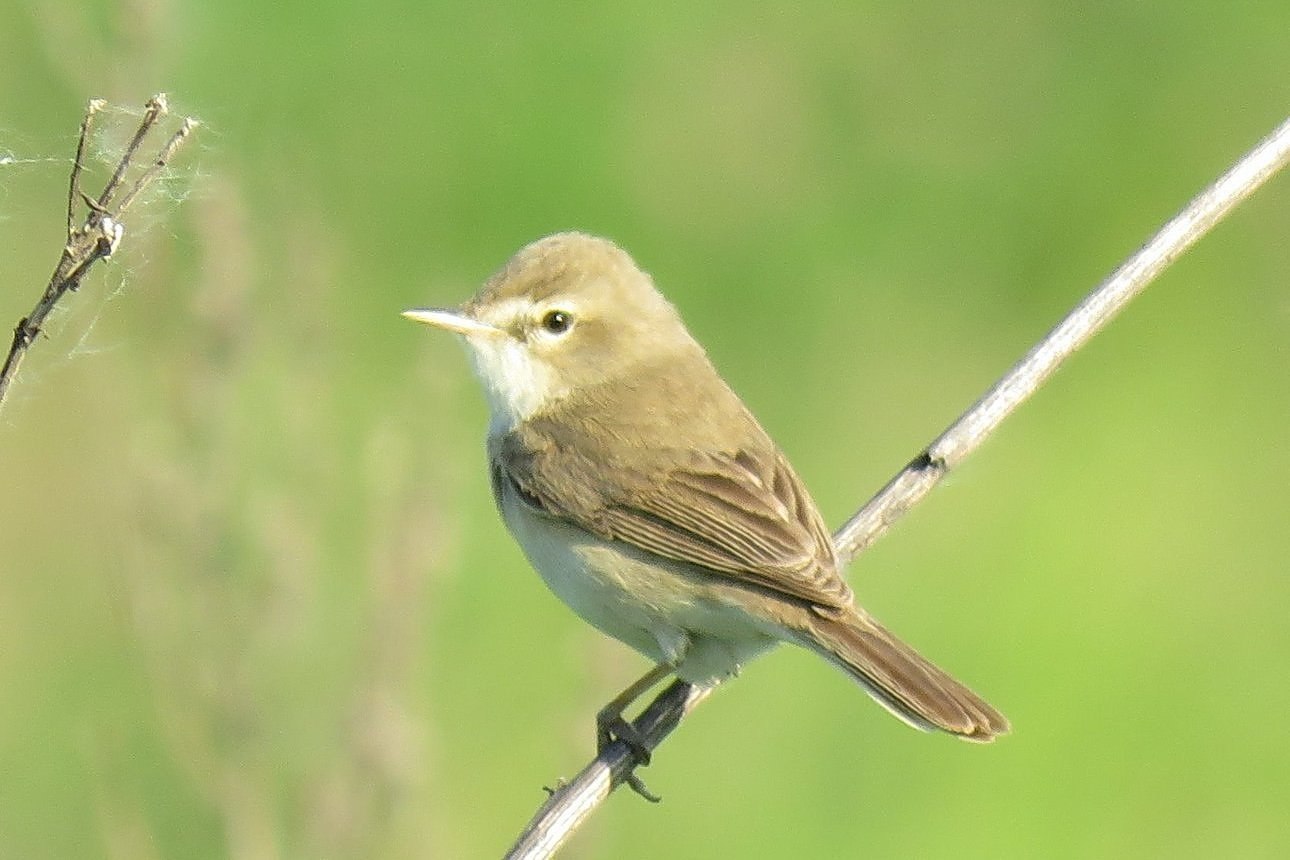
(903,681)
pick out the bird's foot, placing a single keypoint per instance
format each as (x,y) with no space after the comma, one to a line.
(612,727)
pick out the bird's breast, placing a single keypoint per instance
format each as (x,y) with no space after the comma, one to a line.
(661,608)
(594,577)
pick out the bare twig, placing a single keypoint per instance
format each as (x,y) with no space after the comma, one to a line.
(155,109)
(78,166)
(159,163)
(98,237)
(573,803)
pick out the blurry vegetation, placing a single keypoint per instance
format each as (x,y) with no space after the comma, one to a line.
(254,601)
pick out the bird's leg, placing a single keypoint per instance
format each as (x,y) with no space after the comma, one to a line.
(611,726)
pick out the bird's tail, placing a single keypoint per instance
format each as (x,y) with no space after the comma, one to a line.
(902,681)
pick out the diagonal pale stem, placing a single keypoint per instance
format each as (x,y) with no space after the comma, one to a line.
(1089,317)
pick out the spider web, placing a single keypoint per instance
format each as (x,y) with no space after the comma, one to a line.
(28,203)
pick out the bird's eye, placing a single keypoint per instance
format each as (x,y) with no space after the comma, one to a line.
(557,322)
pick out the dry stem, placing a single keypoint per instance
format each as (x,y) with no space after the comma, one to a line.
(100,234)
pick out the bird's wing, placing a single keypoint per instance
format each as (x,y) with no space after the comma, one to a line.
(744,515)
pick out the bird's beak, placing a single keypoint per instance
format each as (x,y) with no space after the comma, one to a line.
(452,321)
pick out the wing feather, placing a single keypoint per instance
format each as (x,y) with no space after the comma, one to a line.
(741,514)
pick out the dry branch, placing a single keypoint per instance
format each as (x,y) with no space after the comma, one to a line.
(98,237)
(573,803)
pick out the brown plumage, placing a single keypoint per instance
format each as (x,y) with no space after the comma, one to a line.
(652,501)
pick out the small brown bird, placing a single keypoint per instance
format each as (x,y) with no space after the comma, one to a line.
(649,498)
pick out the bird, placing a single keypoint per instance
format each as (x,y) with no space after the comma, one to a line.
(650,499)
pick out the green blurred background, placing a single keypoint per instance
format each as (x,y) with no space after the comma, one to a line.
(255,603)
